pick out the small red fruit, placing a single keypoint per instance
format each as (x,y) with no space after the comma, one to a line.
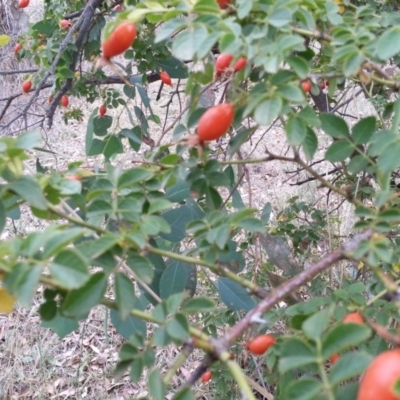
(261,344)
(102,110)
(64,100)
(118,7)
(306,86)
(50,99)
(354,318)
(215,122)
(65,24)
(380,377)
(120,40)
(223,62)
(26,86)
(333,358)
(206,376)
(165,78)
(17,48)
(73,177)
(240,64)
(324,84)
(223,3)
(23,3)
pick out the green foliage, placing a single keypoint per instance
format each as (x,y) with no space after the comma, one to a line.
(171,245)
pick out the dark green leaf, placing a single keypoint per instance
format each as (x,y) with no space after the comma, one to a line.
(156,385)
(388,45)
(177,278)
(235,296)
(101,125)
(303,389)
(296,130)
(363,130)
(314,326)
(198,304)
(124,294)
(348,366)
(129,326)
(61,325)
(267,111)
(70,269)
(339,151)
(334,126)
(343,336)
(28,188)
(80,301)
(178,327)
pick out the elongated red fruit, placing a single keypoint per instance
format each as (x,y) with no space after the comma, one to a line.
(223,62)
(240,64)
(26,86)
(17,48)
(64,100)
(102,110)
(23,3)
(166,78)
(215,122)
(261,344)
(120,40)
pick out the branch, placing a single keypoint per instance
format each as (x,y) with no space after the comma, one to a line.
(293,284)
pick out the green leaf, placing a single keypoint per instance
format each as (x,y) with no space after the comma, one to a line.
(156,385)
(101,125)
(129,92)
(80,301)
(339,151)
(291,92)
(2,216)
(23,282)
(348,366)
(178,327)
(252,225)
(303,389)
(299,66)
(178,277)
(28,140)
(113,145)
(343,336)
(58,239)
(159,205)
(310,144)
(28,188)
(334,126)
(178,218)
(268,110)
(389,159)
(61,325)
(295,353)
(198,304)
(132,176)
(4,39)
(141,266)
(296,130)
(129,326)
(314,326)
(388,45)
(363,130)
(187,43)
(70,269)
(124,294)
(280,17)
(235,296)
(352,63)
